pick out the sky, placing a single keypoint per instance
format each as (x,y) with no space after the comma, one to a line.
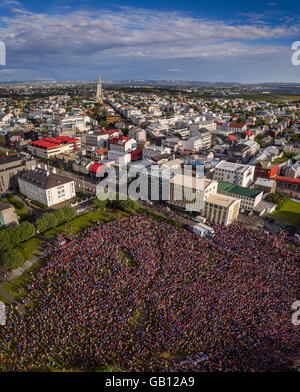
(213,41)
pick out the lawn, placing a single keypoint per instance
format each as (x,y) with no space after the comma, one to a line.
(30,248)
(18,286)
(3,299)
(289,213)
(84,221)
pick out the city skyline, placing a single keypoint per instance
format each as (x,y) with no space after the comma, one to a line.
(215,42)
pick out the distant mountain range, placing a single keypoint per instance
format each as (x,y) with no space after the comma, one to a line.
(155,83)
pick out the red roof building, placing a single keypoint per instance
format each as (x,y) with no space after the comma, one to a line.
(97,168)
(50,147)
(290,186)
(136,155)
(266,170)
(249,133)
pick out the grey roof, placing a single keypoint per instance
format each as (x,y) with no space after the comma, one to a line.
(40,178)
(8,159)
(4,206)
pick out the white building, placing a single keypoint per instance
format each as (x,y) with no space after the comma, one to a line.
(208,124)
(234,173)
(221,209)
(140,135)
(122,144)
(46,187)
(200,141)
(121,158)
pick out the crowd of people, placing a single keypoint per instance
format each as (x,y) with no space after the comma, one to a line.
(142,295)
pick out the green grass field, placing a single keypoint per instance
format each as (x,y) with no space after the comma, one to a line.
(30,248)
(84,221)
(3,299)
(289,213)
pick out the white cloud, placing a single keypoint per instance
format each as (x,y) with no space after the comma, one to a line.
(82,38)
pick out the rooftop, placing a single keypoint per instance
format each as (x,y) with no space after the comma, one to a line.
(188,181)
(238,190)
(220,200)
(5,206)
(44,179)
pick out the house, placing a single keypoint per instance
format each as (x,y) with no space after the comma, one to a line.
(82,165)
(122,144)
(292,171)
(266,185)
(266,170)
(96,169)
(237,127)
(100,154)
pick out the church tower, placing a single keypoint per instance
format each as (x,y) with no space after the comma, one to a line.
(99,94)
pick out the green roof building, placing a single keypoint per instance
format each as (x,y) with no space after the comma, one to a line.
(249,197)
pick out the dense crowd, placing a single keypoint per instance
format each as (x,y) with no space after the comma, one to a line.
(142,295)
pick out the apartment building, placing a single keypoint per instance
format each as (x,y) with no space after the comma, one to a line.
(234,173)
(208,124)
(196,143)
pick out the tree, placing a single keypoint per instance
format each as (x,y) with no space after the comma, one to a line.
(128,205)
(61,168)
(12,259)
(69,213)
(101,204)
(50,220)
(14,235)
(4,240)
(103,124)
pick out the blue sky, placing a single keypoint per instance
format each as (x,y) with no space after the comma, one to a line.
(247,41)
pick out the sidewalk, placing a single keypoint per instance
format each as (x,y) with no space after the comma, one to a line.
(14,274)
